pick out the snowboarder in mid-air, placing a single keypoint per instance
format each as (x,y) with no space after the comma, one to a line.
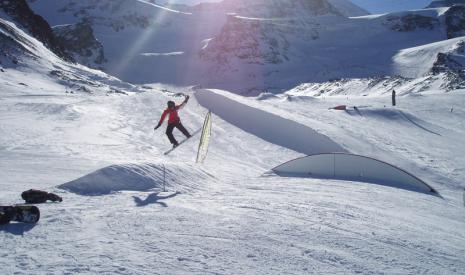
(173,121)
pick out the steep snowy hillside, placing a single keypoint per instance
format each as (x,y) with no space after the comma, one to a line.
(24,57)
(18,11)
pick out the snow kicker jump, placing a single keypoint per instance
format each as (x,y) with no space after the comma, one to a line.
(343,166)
(267,126)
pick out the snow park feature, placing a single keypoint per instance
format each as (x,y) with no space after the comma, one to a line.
(349,167)
(265,125)
(87,137)
(205,138)
(134,177)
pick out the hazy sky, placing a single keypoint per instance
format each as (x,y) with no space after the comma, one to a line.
(373,6)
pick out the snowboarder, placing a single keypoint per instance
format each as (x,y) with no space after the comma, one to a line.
(173,121)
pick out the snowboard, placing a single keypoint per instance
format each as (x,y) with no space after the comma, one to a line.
(21,213)
(184,140)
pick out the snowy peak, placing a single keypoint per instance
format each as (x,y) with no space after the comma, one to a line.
(284,8)
(281,8)
(445,3)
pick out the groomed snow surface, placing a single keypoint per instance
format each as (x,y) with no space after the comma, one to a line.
(229,215)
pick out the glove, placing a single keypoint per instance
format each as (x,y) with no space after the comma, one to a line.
(156,127)
(187,98)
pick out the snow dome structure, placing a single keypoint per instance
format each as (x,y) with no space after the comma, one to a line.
(344,166)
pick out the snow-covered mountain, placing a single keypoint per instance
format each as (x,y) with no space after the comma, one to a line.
(127,208)
(253,46)
(445,3)
(144,42)
(22,54)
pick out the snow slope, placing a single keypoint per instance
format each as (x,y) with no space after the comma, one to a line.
(227,217)
(97,149)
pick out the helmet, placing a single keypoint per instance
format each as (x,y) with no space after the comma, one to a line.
(171,104)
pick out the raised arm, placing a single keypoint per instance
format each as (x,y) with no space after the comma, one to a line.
(180,106)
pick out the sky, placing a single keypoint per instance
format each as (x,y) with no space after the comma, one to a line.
(373,6)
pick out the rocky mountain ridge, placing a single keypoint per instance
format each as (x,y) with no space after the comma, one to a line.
(251,46)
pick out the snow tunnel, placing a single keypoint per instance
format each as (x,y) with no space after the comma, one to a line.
(350,167)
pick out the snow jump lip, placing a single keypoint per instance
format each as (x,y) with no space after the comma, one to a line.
(350,167)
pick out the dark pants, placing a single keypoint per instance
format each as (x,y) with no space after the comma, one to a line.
(169,132)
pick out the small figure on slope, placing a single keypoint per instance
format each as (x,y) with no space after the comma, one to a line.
(173,121)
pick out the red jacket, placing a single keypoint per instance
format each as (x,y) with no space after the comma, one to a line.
(173,114)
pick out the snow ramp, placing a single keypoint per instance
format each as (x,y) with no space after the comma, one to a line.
(137,177)
(267,126)
(344,166)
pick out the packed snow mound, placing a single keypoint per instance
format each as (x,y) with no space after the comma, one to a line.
(136,177)
(267,126)
(351,167)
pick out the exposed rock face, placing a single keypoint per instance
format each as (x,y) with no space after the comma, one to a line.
(452,64)
(445,3)
(80,42)
(20,12)
(251,41)
(411,22)
(266,40)
(455,21)
(123,13)
(452,61)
